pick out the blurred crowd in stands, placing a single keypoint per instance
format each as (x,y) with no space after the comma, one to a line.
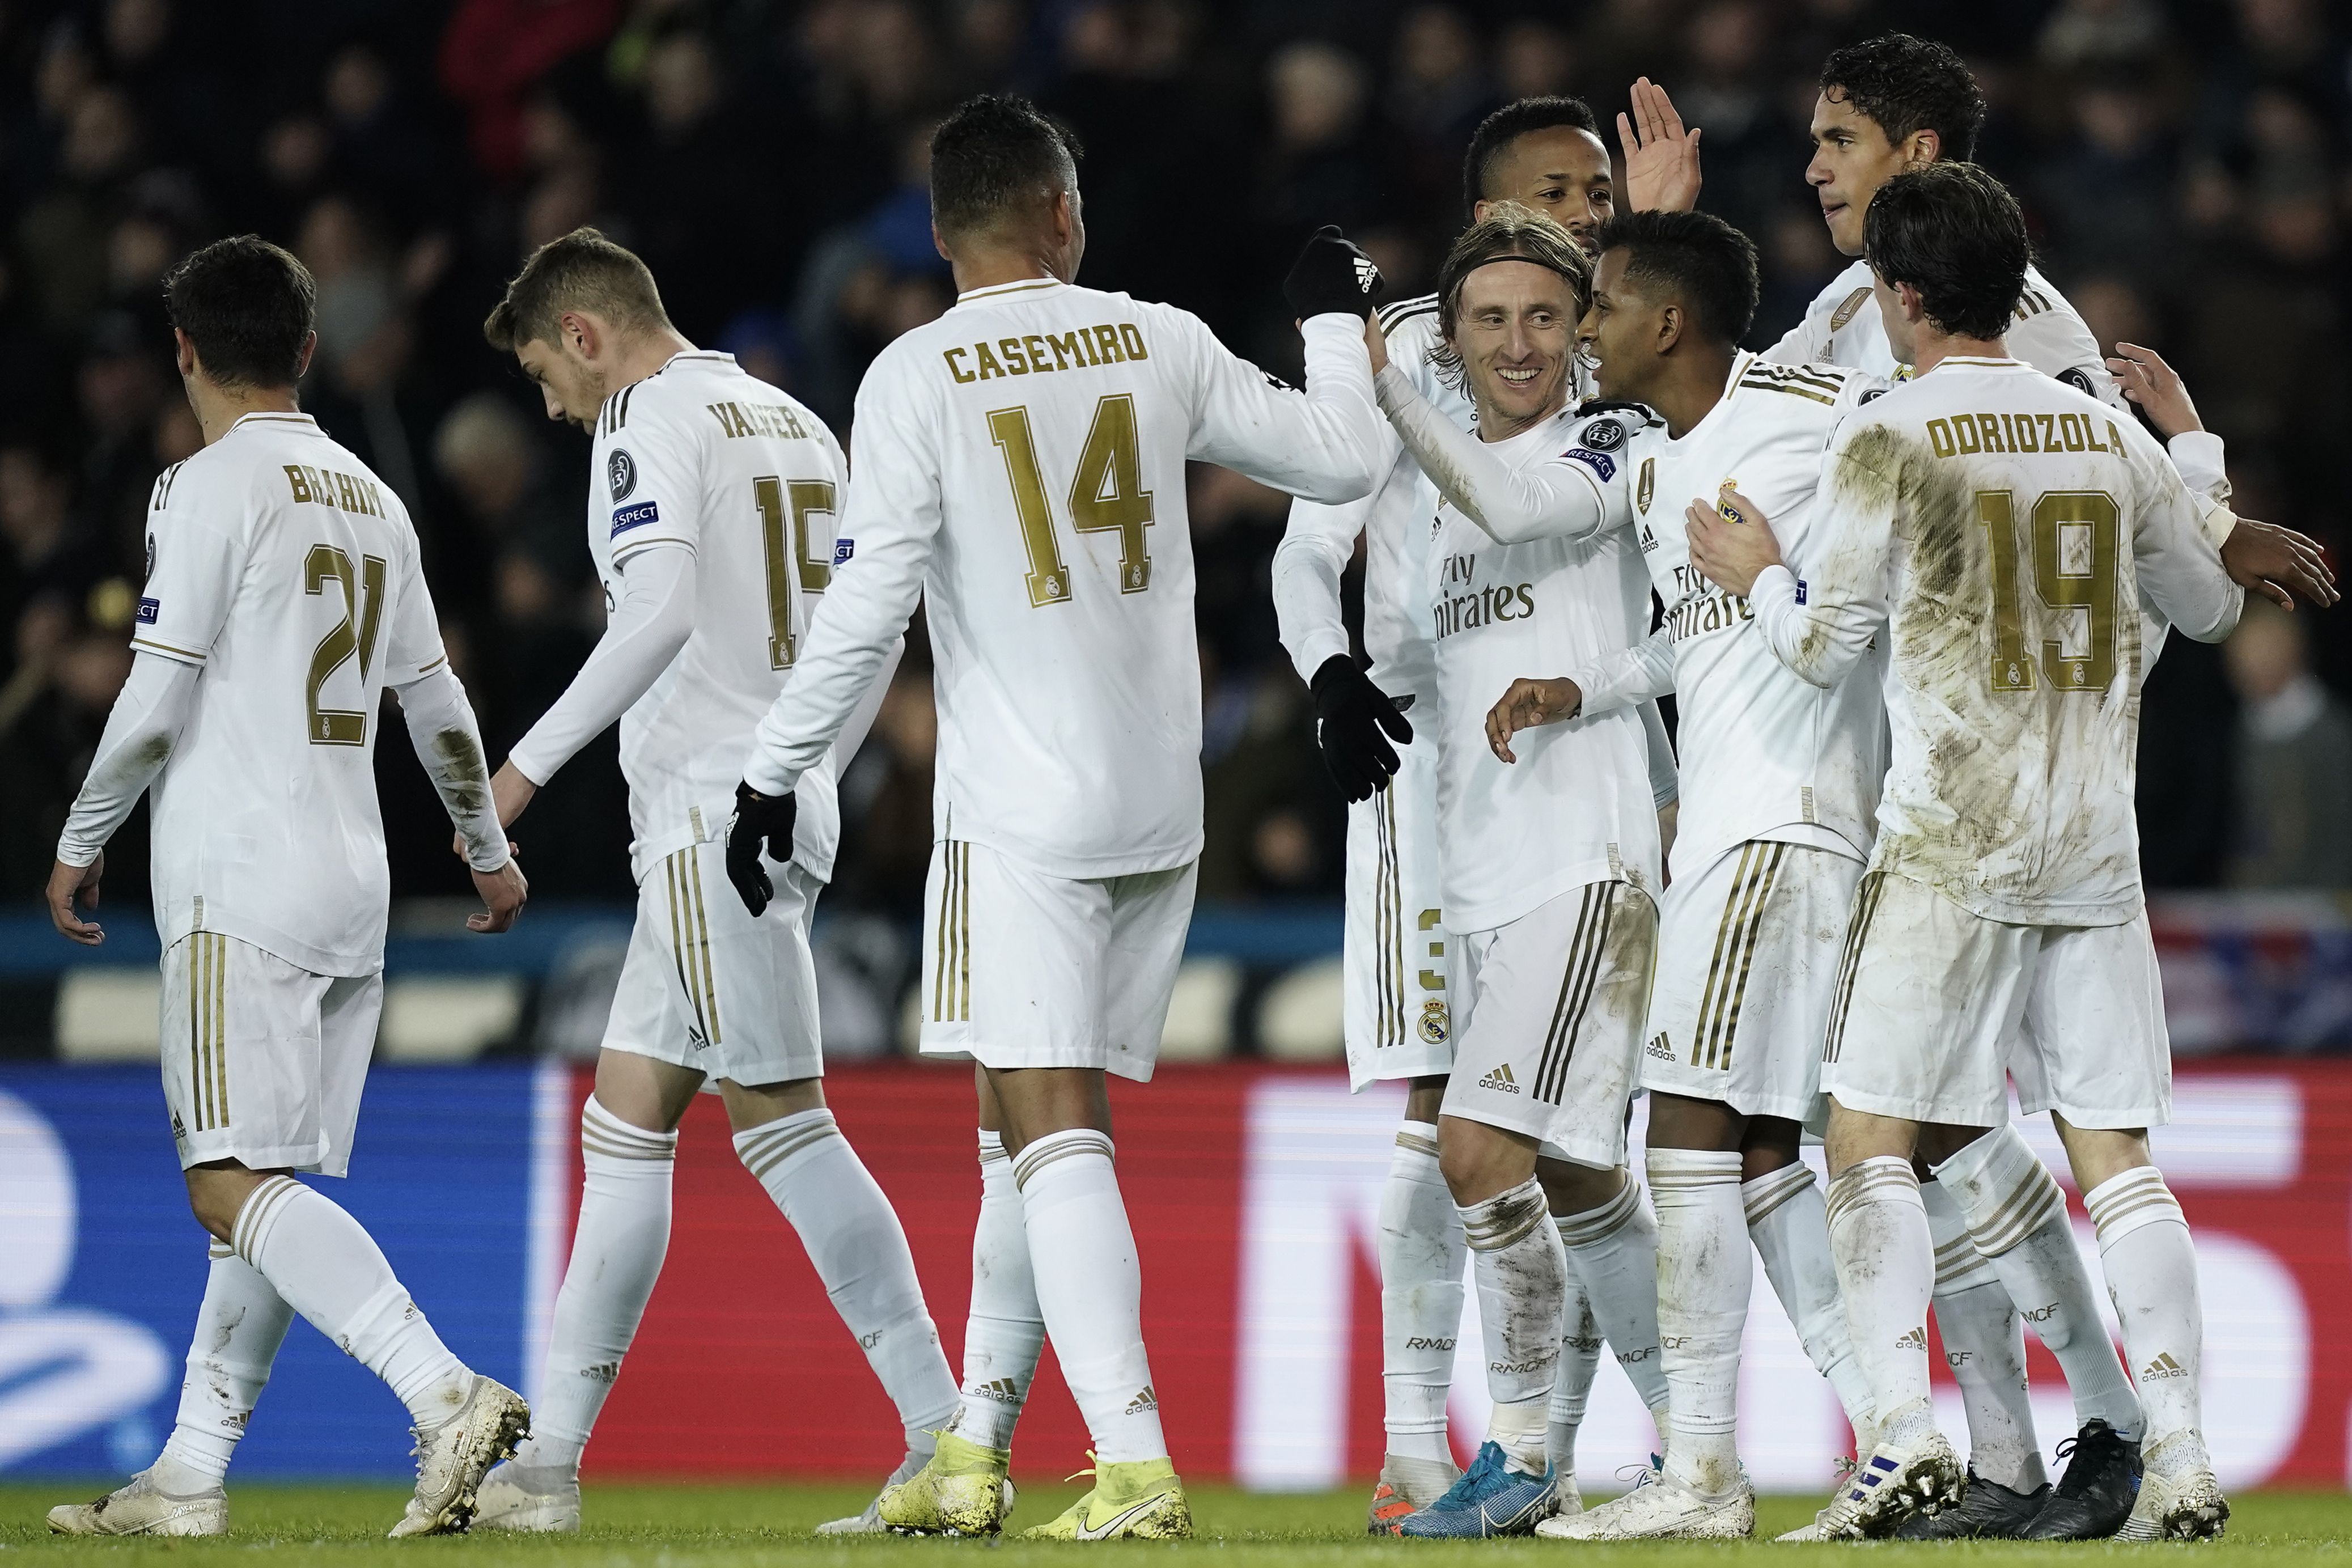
(2184,163)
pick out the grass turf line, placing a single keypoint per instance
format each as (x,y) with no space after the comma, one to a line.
(720,1526)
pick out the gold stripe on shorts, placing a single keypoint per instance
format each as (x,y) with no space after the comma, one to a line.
(952,946)
(1735,950)
(1865,906)
(702,947)
(685,954)
(1576,986)
(1387,923)
(208,1031)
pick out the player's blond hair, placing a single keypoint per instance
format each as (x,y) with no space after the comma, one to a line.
(1511,231)
(581,270)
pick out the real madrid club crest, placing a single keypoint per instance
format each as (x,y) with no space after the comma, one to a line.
(1723,507)
(621,473)
(1433,1023)
(1647,486)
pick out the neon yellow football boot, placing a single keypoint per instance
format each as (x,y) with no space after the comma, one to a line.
(961,1491)
(1142,1500)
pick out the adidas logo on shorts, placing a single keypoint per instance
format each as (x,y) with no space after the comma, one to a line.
(1916,1340)
(1658,1048)
(1146,1400)
(2162,1366)
(1003,1390)
(1500,1080)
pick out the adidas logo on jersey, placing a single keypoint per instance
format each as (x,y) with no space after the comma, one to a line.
(1916,1340)
(1500,1080)
(1658,1048)
(1003,1390)
(1146,1400)
(2161,1367)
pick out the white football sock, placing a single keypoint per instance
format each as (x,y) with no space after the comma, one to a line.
(2017,1215)
(1422,1253)
(1792,1233)
(853,1237)
(2151,1267)
(1580,1358)
(238,1329)
(1522,1279)
(617,1249)
(1090,1290)
(1003,1331)
(1614,1250)
(1886,1271)
(1984,1345)
(327,1268)
(1703,1275)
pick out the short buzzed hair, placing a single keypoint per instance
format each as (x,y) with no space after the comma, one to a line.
(1703,261)
(1507,124)
(248,307)
(581,270)
(993,154)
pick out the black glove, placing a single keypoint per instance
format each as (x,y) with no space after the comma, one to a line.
(758,816)
(1350,713)
(1332,274)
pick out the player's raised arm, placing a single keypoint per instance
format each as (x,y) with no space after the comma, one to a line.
(1325,446)
(1662,167)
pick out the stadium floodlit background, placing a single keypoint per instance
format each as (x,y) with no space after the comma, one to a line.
(2185,167)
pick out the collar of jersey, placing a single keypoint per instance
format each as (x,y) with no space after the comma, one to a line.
(1981,362)
(998,291)
(275,419)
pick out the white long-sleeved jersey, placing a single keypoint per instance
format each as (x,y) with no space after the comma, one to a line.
(287,576)
(1578,805)
(1021,466)
(1999,526)
(1764,754)
(703,457)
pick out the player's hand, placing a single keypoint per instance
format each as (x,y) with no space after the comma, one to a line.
(757,817)
(1731,554)
(66,884)
(1331,275)
(1661,157)
(1350,714)
(2156,387)
(1528,704)
(510,792)
(2277,562)
(504,892)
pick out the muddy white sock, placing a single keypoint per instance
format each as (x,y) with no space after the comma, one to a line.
(1614,1248)
(1790,1230)
(1886,1271)
(2017,1215)
(1521,1277)
(1004,1330)
(1421,1253)
(239,1327)
(1703,1279)
(1984,1345)
(1581,1345)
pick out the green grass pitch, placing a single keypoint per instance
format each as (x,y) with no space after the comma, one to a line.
(719,1527)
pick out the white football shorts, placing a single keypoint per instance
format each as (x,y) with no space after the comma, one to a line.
(708,988)
(1395,1014)
(1937,1006)
(1023,969)
(1549,1012)
(263,1062)
(1748,952)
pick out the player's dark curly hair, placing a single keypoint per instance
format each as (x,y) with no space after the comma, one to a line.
(1510,231)
(1696,258)
(1908,84)
(248,307)
(991,153)
(1507,125)
(1954,233)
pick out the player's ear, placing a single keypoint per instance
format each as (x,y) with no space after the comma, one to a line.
(1921,147)
(940,245)
(581,332)
(184,352)
(302,360)
(1669,327)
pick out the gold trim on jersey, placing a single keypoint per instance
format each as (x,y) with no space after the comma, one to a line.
(1809,382)
(1736,935)
(1844,312)
(1388,925)
(690,939)
(207,1032)
(1585,953)
(952,937)
(1865,906)
(167,647)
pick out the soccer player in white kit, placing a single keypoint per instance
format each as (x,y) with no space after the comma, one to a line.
(711,517)
(2002,1235)
(1548,871)
(284,596)
(1546,155)
(1780,779)
(1021,469)
(1995,531)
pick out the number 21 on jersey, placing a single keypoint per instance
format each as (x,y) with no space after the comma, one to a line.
(363,603)
(1107,495)
(2075,539)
